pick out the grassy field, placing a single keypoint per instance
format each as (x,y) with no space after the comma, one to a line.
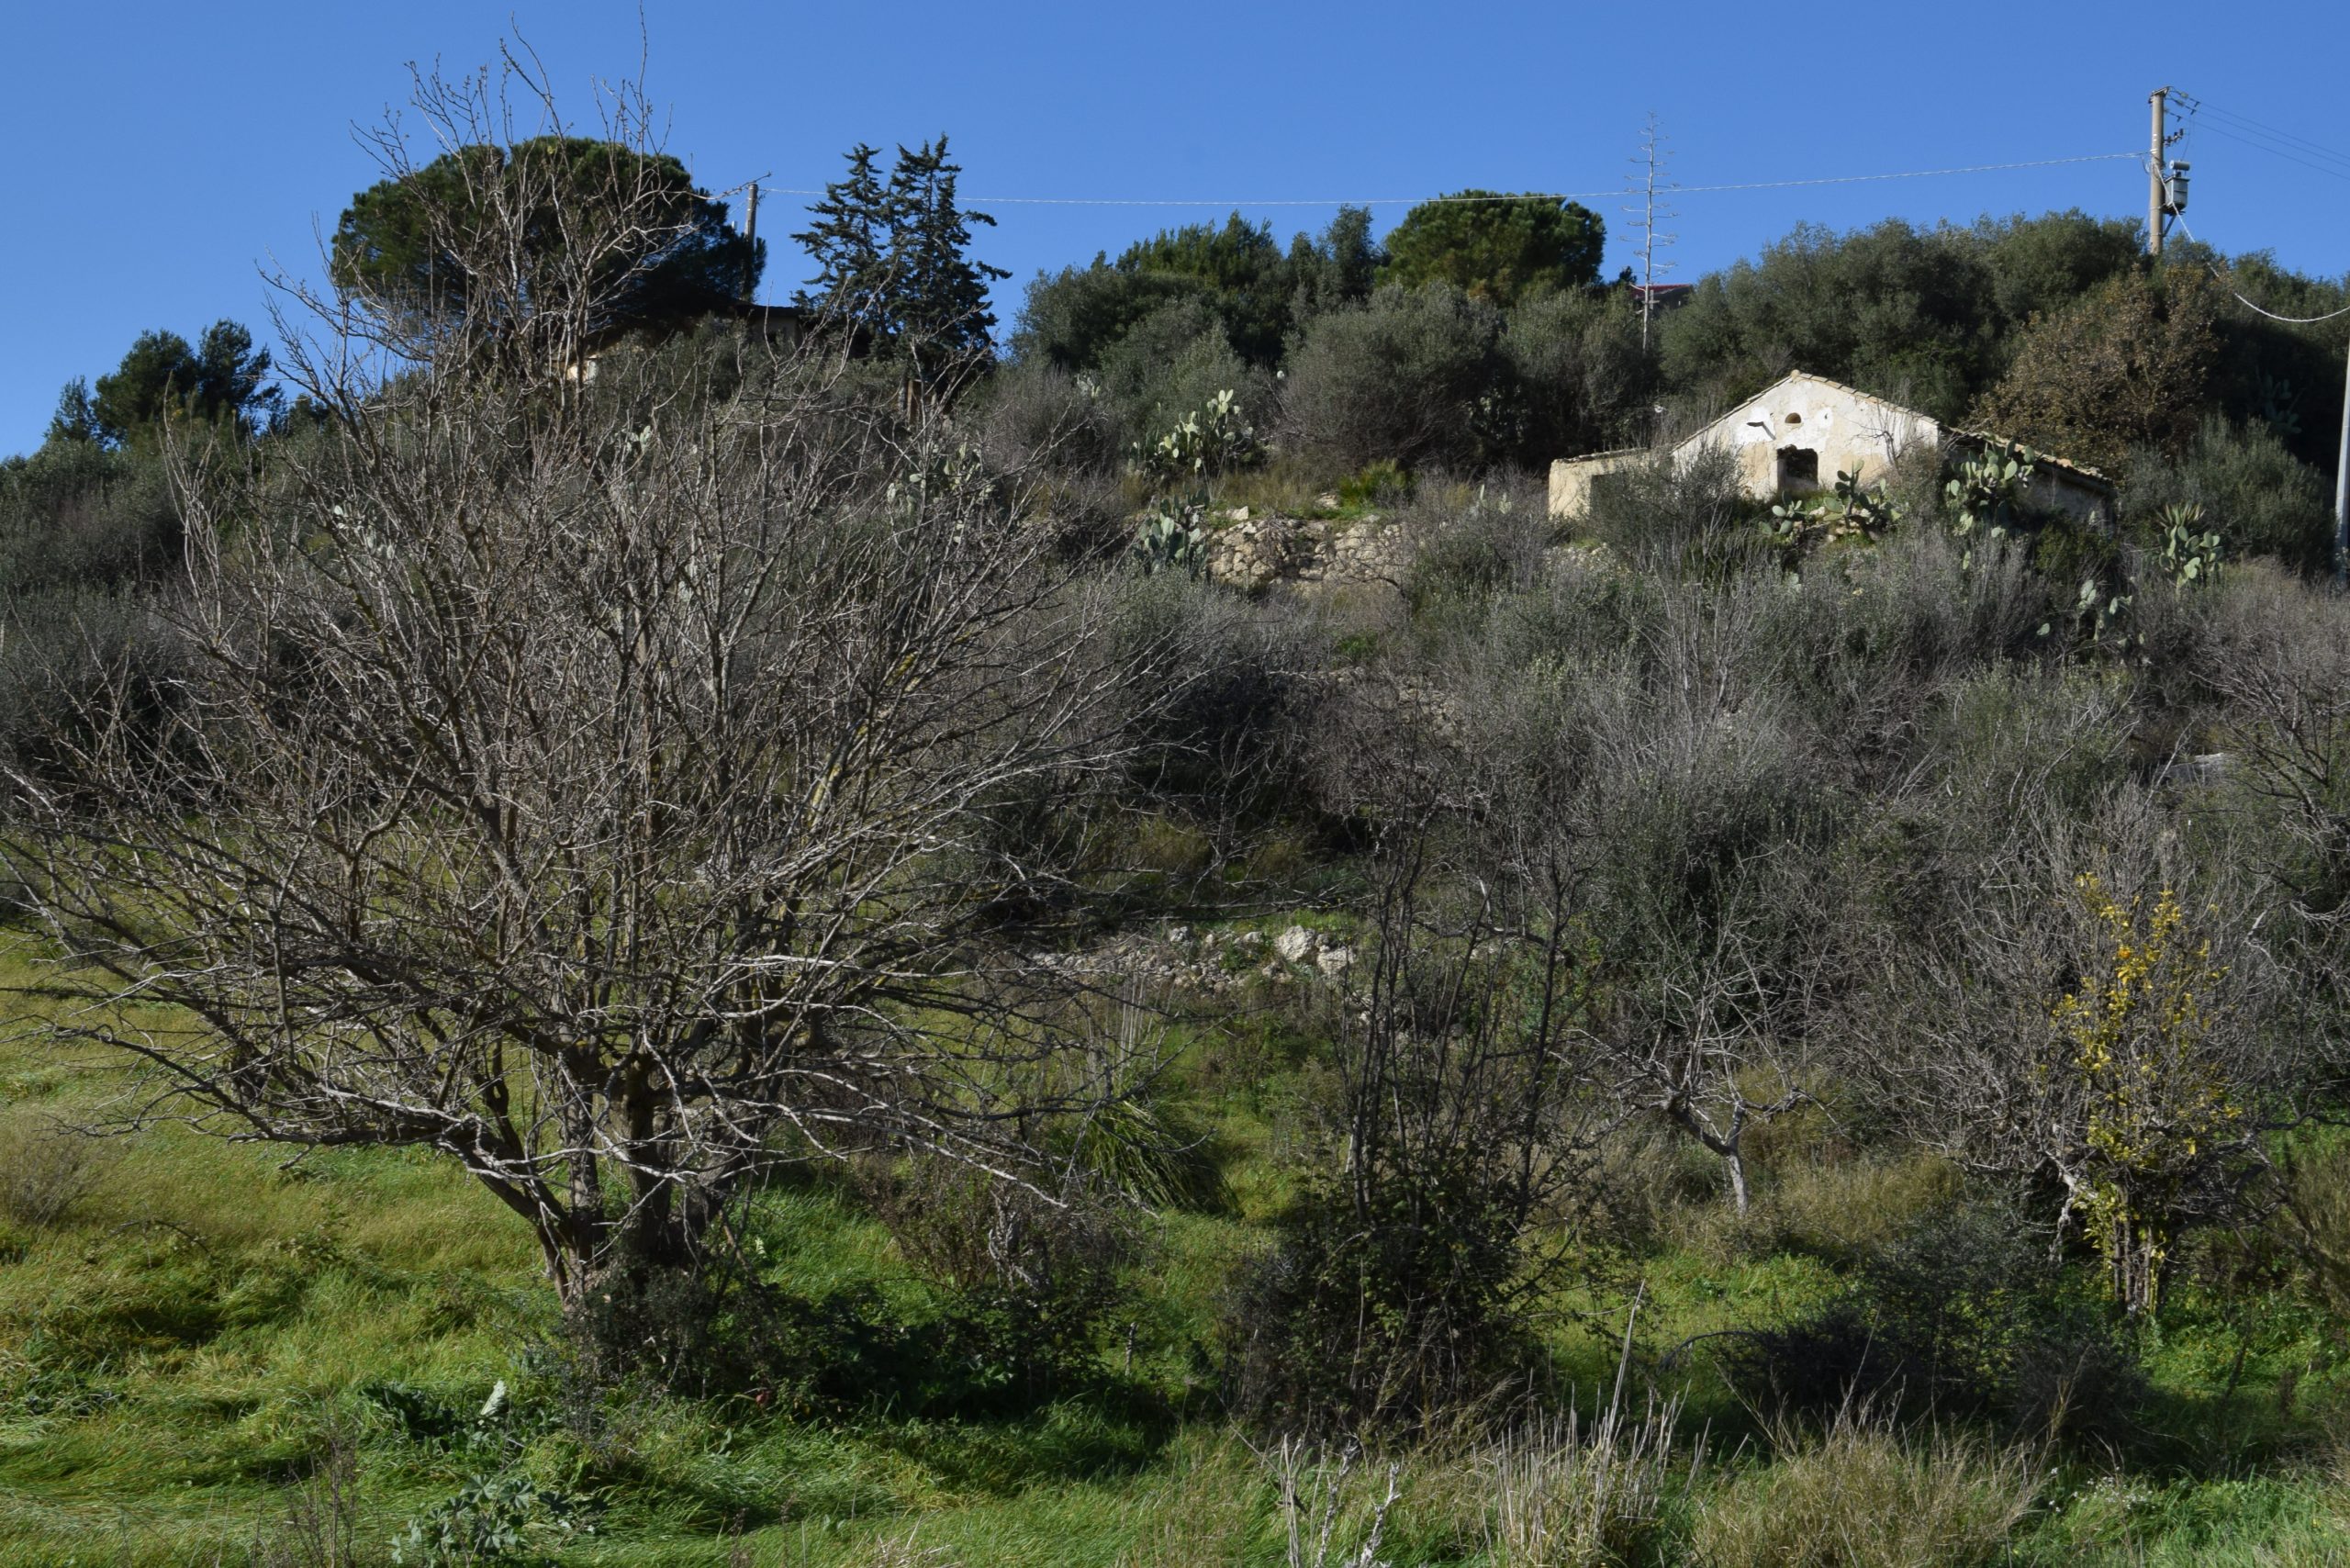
(212,1355)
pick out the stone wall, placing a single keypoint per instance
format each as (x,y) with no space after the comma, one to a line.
(1255,551)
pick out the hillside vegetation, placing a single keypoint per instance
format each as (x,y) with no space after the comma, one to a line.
(745,958)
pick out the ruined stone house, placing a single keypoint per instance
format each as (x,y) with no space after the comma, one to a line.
(1795,436)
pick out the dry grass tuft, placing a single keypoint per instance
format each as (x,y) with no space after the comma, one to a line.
(1859,1495)
(1565,1497)
(47,1168)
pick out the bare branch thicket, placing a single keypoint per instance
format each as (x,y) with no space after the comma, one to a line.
(2284,676)
(602,780)
(1697,813)
(1463,1126)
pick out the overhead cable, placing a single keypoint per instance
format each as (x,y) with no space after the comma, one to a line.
(1554,196)
(2273,152)
(2249,132)
(2198,107)
(2289,320)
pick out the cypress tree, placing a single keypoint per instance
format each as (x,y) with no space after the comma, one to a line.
(942,320)
(847,240)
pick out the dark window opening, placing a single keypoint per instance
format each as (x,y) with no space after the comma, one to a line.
(1799,469)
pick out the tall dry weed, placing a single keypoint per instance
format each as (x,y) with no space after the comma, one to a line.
(1864,1494)
(1570,1496)
(46,1168)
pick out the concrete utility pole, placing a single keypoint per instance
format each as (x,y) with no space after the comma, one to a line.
(2154,151)
(2342,493)
(751,243)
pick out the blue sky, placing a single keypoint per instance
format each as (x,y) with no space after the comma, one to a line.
(162,155)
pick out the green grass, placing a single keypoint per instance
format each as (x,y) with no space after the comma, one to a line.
(181,1346)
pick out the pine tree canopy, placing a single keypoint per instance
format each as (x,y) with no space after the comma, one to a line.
(403,243)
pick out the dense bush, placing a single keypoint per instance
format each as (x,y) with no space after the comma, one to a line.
(76,515)
(1030,1276)
(1672,519)
(1039,416)
(2259,498)
(2128,364)
(1255,291)
(1170,364)
(63,646)
(1405,376)
(1410,1308)
(1966,1313)
(1470,543)
(1578,375)
(1918,316)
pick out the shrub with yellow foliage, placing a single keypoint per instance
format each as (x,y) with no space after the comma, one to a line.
(2159,1129)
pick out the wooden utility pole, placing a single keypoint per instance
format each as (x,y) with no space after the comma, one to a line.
(2154,151)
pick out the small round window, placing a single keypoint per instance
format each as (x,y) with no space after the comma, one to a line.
(1794,418)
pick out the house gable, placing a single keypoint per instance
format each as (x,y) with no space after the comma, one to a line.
(1798,433)
(1802,430)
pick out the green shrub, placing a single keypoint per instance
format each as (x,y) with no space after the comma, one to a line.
(1926,317)
(1400,378)
(1395,1313)
(74,515)
(502,1518)
(1963,1313)
(1172,362)
(1379,483)
(2259,498)
(1580,379)
(1678,519)
(1466,552)
(1037,414)
(1030,1278)
(46,1168)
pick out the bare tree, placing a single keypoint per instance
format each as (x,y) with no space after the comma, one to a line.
(1697,812)
(608,781)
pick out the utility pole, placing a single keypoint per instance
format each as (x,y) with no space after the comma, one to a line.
(2165,181)
(2342,492)
(751,243)
(1649,160)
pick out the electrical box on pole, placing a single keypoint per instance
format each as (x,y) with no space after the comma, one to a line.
(2165,181)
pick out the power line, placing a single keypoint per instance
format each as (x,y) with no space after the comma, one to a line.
(2249,132)
(2289,320)
(2196,106)
(1553,196)
(2274,151)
